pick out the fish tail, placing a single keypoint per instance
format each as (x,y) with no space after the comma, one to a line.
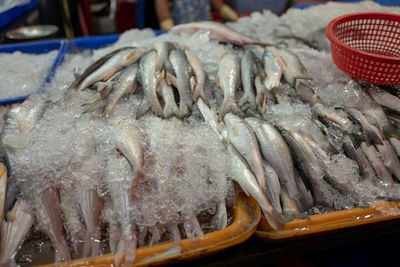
(199,94)
(373,137)
(168,111)
(228,106)
(390,131)
(143,108)
(183,112)
(274,218)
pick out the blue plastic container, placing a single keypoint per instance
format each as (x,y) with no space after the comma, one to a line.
(37,48)
(16,12)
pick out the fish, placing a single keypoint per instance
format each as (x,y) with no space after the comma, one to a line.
(163,62)
(119,182)
(124,84)
(372,111)
(128,140)
(181,81)
(228,79)
(272,67)
(3,189)
(220,219)
(332,133)
(107,66)
(290,210)
(210,116)
(292,68)
(382,174)
(276,152)
(218,31)
(149,81)
(357,154)
(192,228)
(243,139)
(199,73)
(389,158)
(307,162)
(396,145)
(104,92)
(49,215)
(170,107)
(264,97)
(247,71)
(319,137)
(242,174)
(273,185)
(384,98)
(14,231)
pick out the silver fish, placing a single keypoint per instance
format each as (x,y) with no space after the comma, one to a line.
(308,163)
(129,141)
(210,116)
(334,117)
(48,214)
(384,177)
(120,182)
(290,210)
(384,98)
(273,185)
(218,31)
(107,66)
(272,67)
(244,140)
(264,97)
(247,70)
(181,81)
(13,232)
(149,81)
(292,67)
(124,84)
(248,182)
(396,145)
(228,79)
(275,150)
(163,62)
(197,66)
(170,107)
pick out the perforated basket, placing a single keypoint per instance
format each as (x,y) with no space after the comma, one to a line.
(367,46)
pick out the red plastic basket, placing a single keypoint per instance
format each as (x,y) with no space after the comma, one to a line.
(367,46)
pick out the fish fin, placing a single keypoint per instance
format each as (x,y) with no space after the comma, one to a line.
(183,112)
(171,79)
(130,56)
(223,55)
(229,106)
(218,81)
(274,219)
(390,131)
(200,94)
(169,68)
(92,100)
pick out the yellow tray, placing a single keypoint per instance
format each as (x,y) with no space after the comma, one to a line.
(331,221)
(246,217)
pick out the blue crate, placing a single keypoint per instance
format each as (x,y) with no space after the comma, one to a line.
(381,2)
(16,12)
(37,48)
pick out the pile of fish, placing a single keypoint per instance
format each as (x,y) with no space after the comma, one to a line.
(142,145)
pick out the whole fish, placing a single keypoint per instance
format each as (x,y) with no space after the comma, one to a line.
(248,182)
(163,62)
(197,66)
(218,31)
(107,66)
(149,81)
(228,79)
(124,84)
(247,71)
(128,140)
(181,81)
(48,214)
(13,232)
(273,185)
(308,163)
(384,98)
(292,67)
(384,177)
(167,93)
(357,154)
(91,205)
(276,152)
(119,182)
(272,67)
(244,140)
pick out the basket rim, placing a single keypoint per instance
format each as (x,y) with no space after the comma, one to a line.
(361,15)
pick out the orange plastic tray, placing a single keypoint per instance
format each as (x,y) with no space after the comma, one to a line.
(331,221)
(246,217)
